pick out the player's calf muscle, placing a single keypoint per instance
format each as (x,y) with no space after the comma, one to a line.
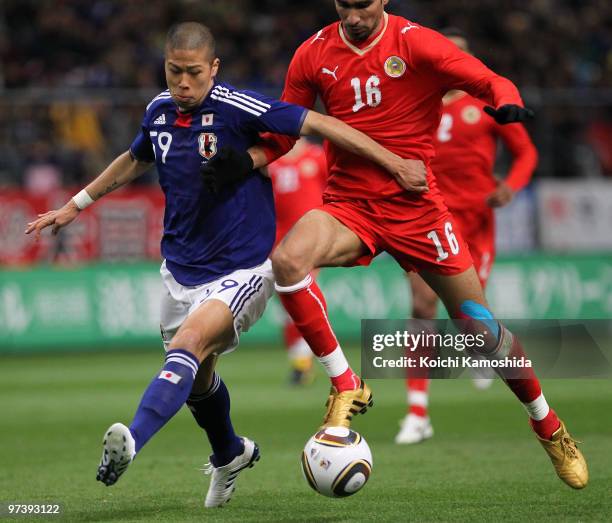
(204,377)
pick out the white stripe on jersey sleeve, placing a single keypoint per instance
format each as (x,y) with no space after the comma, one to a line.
(243,102)
(161,96)
(246,97)
(229,101)
(251,99)
(231,96)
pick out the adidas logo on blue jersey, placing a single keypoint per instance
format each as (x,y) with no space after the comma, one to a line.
(160,120)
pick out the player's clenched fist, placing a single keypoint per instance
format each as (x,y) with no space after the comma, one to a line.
(58,218)
(509,113)
(228,166)
(501,196)
(411,175)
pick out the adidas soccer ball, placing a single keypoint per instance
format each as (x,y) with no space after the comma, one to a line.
(337,462)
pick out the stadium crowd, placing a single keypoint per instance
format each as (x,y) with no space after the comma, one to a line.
(54,53)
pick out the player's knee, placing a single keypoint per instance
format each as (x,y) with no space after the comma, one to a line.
(478,320)
(191,340)
(287,265)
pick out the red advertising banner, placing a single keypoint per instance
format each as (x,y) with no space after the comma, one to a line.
(126,225)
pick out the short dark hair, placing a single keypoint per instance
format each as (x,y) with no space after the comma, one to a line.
(451,32)
(191,35)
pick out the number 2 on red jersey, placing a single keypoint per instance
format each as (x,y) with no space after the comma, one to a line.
(444,131)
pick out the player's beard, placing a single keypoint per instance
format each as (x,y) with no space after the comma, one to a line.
(358,35)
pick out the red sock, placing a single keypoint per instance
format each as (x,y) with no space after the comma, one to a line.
(291,334)
(305,303)
(417,396)
(308,310)
(527,389)
(546,427)
(348,380)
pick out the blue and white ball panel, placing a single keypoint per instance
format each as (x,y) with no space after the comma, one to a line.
(246,292)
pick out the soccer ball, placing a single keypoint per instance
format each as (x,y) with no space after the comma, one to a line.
(337,462)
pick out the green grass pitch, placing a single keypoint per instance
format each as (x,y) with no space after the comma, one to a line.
(482,465)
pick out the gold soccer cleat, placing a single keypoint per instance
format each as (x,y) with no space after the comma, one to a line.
(342,406)
(567,459)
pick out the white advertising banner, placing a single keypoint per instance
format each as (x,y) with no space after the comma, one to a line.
(575,215)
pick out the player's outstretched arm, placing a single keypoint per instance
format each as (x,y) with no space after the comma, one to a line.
(122,170)
(456,69)
(524,163)
(230,165)
(410,174)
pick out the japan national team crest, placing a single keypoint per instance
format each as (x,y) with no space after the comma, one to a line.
(207,145)
(395,66)
(471,114)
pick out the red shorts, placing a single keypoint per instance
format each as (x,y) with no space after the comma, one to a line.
(420,238)
(281,232)
(478,229)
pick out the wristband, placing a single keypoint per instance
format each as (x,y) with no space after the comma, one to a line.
(82,200)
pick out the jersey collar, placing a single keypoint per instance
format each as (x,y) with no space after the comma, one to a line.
(368,47)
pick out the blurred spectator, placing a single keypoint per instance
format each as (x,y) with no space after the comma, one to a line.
(42,174)
(51,51)
(114,43)
(599,137)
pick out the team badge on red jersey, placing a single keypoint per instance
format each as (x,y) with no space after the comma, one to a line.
(395,66)
(471,114)
(207,145)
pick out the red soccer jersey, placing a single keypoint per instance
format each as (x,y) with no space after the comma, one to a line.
(298,180)
(390,88)
(466,146)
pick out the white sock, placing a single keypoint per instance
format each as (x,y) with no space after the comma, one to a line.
(537,409)
(418,398)
(335,363)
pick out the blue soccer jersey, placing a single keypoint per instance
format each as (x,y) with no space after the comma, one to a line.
(206,236)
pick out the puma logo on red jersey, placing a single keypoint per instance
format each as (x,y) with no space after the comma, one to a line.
(325,70)
(409,27)
(317,37)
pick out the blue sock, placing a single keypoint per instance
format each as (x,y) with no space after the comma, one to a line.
(165,395)
(211,410)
